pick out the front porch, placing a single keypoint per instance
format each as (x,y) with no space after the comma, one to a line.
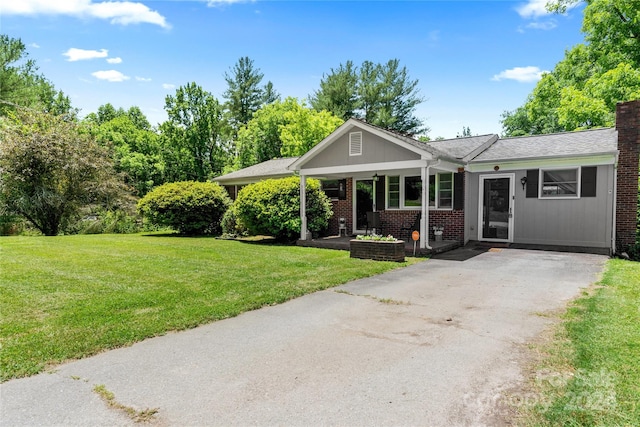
(342,243)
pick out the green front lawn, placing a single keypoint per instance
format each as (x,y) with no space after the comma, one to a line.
(72,296)
(590,375)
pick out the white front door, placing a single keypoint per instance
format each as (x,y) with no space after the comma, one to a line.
(495,213)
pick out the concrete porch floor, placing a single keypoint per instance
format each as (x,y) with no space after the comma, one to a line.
(342,243)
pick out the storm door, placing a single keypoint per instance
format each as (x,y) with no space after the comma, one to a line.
(495,222)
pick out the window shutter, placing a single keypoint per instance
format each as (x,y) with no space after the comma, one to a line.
(355,143)
(588,181)
(342,189)
(532,183)
(458,191)
(380,193)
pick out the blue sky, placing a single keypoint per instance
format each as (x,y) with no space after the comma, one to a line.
(473,59)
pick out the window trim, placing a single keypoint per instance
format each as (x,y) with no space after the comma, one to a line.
(437,192)
(387,192)
(576,196)
(432,178)
(353,145)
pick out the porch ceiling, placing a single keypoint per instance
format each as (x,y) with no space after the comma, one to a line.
(369,173)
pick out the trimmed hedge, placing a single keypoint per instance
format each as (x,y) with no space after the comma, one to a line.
(272,207)
(190,207)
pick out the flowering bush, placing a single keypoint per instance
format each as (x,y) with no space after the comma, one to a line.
(377,238)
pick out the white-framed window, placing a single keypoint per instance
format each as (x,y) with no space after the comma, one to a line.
(559,183)
(444,191)
(355,144)
(405,192)
(393,192)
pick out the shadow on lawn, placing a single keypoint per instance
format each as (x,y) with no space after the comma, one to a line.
(256,240)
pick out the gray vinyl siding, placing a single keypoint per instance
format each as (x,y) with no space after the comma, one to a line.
(374,150)
(585,222)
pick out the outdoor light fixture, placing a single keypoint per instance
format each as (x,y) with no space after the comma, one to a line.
(523,181)
(376,177)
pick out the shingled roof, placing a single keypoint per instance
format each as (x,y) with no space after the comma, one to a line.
(587,142)
(464,148)
(275,168)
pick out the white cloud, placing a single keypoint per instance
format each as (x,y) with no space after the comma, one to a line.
(118,12)
(215,3)
(537,8)
(143,79)
(536,25)
(35,45)
(533,9)
(110,76)
(520,74)
(545,26)
(75,54)
(116,60)
(168,86)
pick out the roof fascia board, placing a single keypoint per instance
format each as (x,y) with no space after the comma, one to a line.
(489,166)
(448,166)
(252,180)
(428,153)
(484,146)
(388,135)
(368,167)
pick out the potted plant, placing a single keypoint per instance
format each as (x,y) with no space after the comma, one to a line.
(437,232)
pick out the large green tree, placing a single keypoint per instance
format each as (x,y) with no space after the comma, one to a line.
(22,85)
(381,94)
(245,94)
(50,168)
(283,128)
(337,92)
(582,90)
(135,149)
(193,141)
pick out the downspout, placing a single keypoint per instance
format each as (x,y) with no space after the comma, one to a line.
(303,207)
(615,206)
(424,228)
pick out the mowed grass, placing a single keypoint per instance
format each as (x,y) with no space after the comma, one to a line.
(69,297)
(591,373)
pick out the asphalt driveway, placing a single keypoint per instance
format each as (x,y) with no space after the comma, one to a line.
(438,343)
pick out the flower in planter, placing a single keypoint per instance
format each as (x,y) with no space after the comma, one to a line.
(377,238)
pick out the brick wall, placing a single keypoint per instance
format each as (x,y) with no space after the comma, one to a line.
(394,220)
(379,251)
(452,221)
(628,127)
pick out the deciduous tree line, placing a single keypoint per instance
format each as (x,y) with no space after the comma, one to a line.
(201,138)
(582,90)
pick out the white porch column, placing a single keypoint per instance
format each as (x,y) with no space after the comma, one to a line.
(424,221)
(303,207)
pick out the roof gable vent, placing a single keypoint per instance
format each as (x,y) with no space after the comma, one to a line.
(355,144)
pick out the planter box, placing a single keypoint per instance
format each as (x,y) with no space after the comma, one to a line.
(377,250)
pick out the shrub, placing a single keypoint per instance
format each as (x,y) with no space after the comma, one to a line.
(231,224)
(273,207)
(111,222)
(189,207)
(10,224)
